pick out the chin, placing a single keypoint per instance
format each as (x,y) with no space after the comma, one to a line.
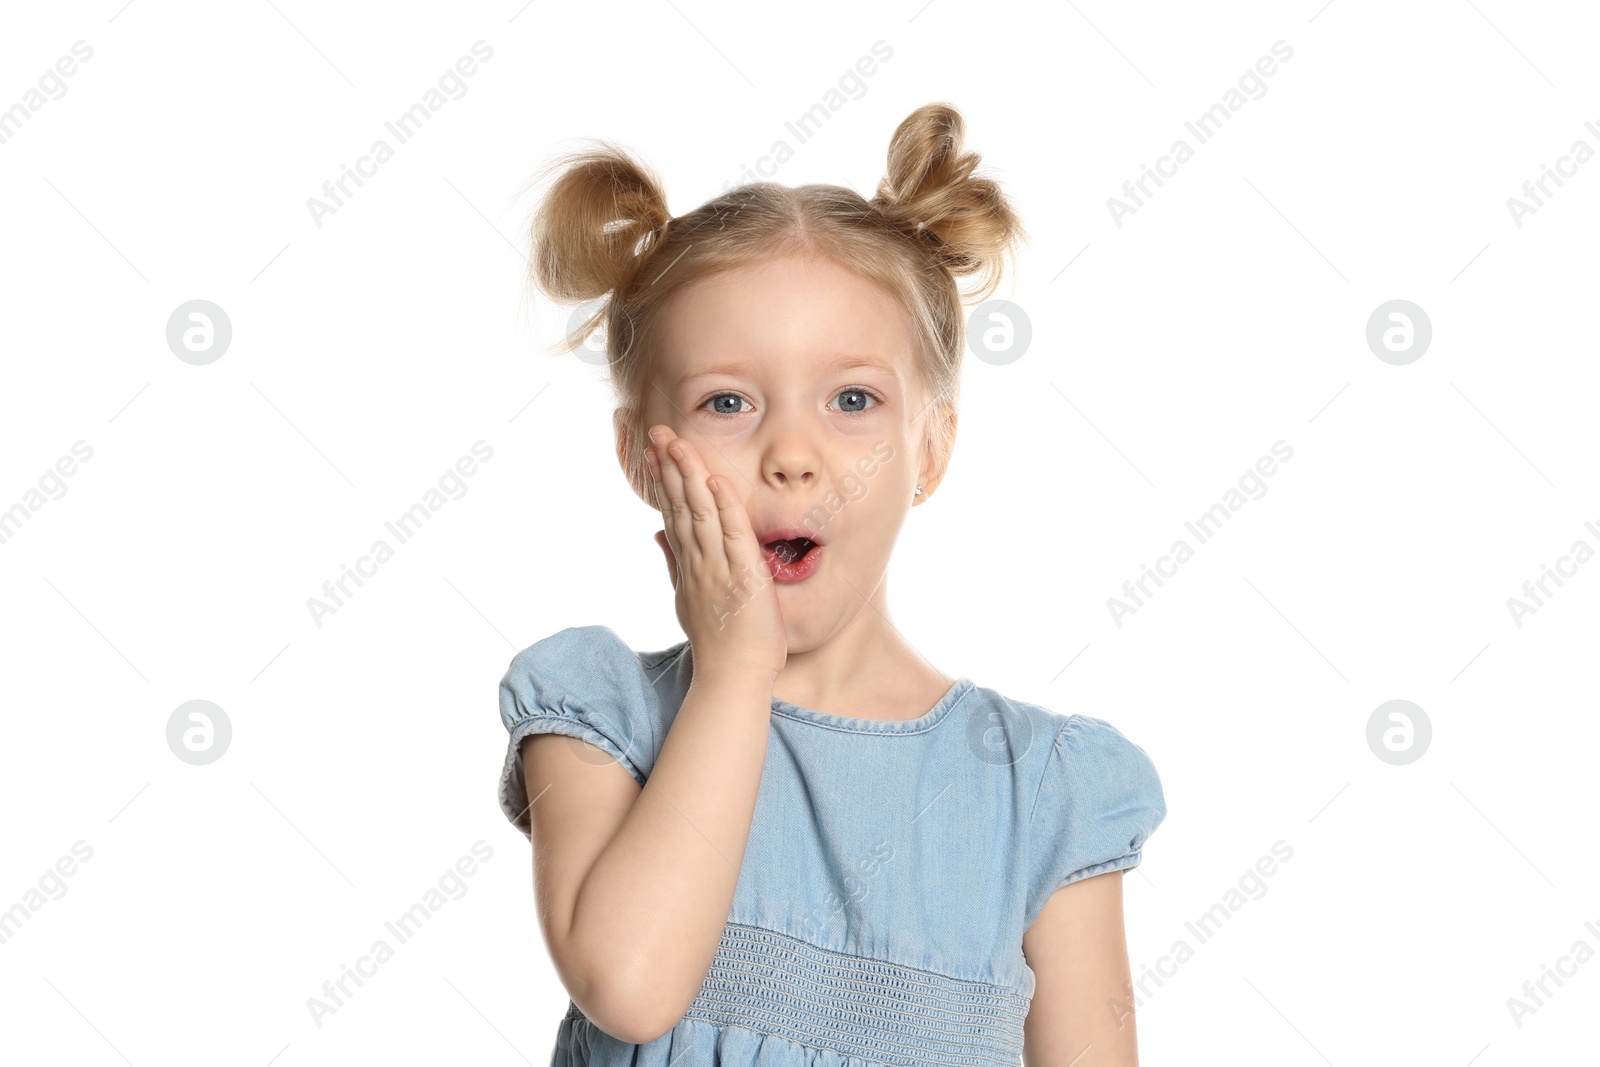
(805,630)
(798,624)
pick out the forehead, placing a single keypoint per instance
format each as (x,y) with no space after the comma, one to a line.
(790,311)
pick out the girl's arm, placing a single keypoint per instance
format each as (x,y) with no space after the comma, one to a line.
(633,885)
(1082,1013)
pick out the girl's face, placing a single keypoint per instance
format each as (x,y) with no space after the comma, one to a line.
(795,380)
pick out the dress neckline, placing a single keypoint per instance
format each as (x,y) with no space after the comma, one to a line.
(926,721)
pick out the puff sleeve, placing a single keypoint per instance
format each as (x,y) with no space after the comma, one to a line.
(1099,802)
(584,682)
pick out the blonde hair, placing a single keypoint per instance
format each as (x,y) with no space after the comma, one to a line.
(603,228)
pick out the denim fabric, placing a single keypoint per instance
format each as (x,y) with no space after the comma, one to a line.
(891,869)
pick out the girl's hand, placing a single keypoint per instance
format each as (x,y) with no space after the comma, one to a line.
(727,601)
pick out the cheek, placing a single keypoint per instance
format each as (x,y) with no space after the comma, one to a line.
(870,523)
(737,479)
(870,479)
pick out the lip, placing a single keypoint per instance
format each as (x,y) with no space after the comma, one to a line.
(798,570)
(785,533)
(787,572)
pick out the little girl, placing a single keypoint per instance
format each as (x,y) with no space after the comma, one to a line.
(791,841)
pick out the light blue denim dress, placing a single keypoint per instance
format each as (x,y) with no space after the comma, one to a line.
(891,869)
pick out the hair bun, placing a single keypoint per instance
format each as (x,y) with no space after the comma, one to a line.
(604,210)
(931,193)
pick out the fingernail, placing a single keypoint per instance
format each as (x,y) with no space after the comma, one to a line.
(674,451)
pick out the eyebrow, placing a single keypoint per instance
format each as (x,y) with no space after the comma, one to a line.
(852,362)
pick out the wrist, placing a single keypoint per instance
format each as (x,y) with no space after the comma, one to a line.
(735,677)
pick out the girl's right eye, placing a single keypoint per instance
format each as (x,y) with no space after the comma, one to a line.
(722,397)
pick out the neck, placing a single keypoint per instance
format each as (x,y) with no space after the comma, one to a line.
(867,646)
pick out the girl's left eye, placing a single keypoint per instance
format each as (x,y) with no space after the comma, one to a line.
(865,394)
(860,397)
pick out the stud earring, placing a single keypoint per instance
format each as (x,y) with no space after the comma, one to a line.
(918,492)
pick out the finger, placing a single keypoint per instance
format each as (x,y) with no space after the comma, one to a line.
(704,519)
(652,463)
(681,527)
(669,514)
(738,534)
(666,550)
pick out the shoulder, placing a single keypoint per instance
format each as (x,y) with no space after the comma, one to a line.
(591,642)
(587,657)
(585,682)
(589,675)
(1026,730)
(1100,765)
(1088,794)
(1097,801)
(1054,742)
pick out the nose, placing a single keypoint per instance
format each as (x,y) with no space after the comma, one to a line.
(790,456)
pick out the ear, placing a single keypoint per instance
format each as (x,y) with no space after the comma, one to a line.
(935,463)
(625,450)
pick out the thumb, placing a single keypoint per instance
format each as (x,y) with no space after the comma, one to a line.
(672,561)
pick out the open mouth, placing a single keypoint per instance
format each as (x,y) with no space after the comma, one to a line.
(791,554)
(791,549)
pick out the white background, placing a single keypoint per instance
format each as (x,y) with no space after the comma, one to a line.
(1168,354)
